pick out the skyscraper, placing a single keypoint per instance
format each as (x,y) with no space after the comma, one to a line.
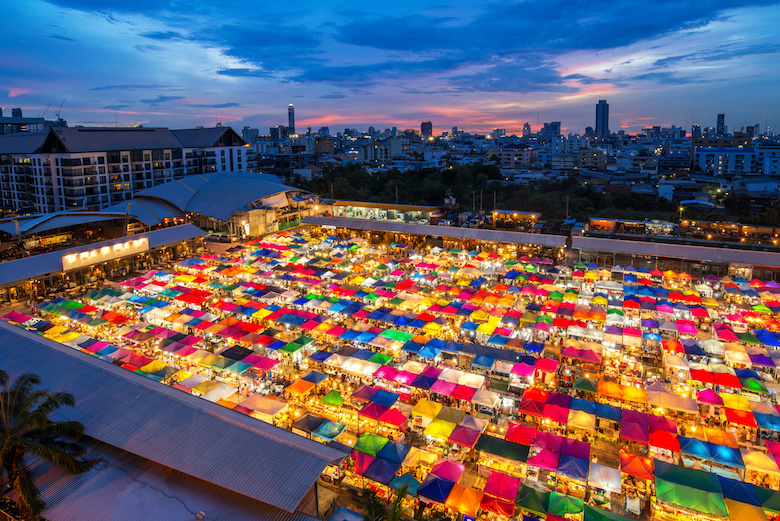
(602,119)
(426,129)
(291,119)
(526,129)
(720,129)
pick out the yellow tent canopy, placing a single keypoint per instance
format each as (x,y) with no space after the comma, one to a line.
(440,429)
(427,408)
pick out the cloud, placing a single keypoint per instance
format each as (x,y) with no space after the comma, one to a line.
(160,99)
(333,95)
(114,107)
(244,73)
(214,106)
(60,37)
(144,48)
(163,35)
(137,86)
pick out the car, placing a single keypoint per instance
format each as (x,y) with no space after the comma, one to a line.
(422,221)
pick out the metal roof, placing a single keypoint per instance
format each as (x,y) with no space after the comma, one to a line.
(148,210)
(27,268)
(125,487)
(30,224)
(679,251)
(170,427)
(93,139)
(202,137)
(215,195)
(22,142)
(455,232)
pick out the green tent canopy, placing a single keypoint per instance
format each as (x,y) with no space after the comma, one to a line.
(400,336)
(586,384)
(333,398)
(370,444)
(561,504)
(533,500)
(381,358)
(770,499)
(502,448)
(689,488)
(597,514)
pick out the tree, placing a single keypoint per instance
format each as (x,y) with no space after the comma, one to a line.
(27,430)
(375,509)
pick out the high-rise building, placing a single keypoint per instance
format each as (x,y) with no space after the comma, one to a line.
(552,129)
(426,129)
(16,113)
(250,134)
(602,119)
(291,119)
(526,129)
(720,129)
(696,130)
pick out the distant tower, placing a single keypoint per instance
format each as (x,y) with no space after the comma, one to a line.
(602,119)
(291,118)
(720,129)
(696,130)
(526,129)
(426,129)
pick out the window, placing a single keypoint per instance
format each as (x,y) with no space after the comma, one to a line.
(157,155)
(136,156)
(101,160)
(124,159)
(147,157)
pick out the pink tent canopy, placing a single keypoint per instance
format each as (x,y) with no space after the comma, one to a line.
(362,461)
(709,396)
(634,432)
(520,433)
(464,436)
(502,486)
(386,372)
(373,411)
(556,413)
(443,387)
(549,441)
(447,469)
(548,365)
(393,417)
(404,377)
(523,369)
(463,392)
(545,459)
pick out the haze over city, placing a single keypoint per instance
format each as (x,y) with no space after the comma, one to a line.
(357,65)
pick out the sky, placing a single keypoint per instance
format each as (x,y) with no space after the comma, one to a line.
(466,63)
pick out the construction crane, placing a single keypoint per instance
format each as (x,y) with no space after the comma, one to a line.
(45,111)
(58,110)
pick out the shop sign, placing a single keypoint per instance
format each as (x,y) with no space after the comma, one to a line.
(74,261)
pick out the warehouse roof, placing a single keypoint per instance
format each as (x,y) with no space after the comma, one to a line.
(455,232)
(26,268)
(215,195)
(175,429)
(680,251)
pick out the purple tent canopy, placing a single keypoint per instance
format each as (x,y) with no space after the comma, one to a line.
(640,418)
(576,448)
(546,440)
(559,399)
(634,432)
(464,436)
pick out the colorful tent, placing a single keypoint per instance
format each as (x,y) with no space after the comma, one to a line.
(465,500)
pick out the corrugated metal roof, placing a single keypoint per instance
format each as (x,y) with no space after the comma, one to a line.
(175,429)
(201,137)
(148,210)
(456,232)
(679,251)
(94,139)
(38,265)
(215,195)
(22,142)
(125,487)
(30,224)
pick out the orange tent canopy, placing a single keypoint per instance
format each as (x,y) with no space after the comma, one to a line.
(464,499)
(300,387)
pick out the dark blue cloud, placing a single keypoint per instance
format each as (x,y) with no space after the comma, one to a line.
(215,105)
(333,95)
(164,35)
(244,73)
(114,107)
(137,86)
(160,99)
(60,37)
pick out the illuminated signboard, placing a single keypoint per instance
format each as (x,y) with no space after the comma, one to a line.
(106,253)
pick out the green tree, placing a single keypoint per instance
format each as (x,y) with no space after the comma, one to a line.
(28,430)
(375,508)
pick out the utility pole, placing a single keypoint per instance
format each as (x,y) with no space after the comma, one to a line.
(473,201)
(567,206)
(494,199)
(480,201)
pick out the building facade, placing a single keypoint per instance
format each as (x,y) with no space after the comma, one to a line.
(93,168)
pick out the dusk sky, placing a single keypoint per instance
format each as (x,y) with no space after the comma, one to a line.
(475,65)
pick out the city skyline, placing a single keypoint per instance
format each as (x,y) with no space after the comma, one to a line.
(459,65)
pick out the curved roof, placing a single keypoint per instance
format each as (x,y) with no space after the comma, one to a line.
(39,223)
(215,195)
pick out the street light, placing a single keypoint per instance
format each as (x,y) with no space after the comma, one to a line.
(681,211)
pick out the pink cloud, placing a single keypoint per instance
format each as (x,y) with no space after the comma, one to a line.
(17,91)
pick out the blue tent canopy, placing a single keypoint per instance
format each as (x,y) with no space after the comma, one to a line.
(739,491)
(315,377)
(395,452)
(428,352)
(412,485)
(581,404)
(575,468)
(320,356)
(483,361)
(329,430)
(423,382)
(383,397)
(608,412)
(435,488)
(695,447)
(381,470)
(344,514)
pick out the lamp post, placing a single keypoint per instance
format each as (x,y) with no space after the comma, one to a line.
(681,211)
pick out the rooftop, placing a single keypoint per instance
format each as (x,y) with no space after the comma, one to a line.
(169,427)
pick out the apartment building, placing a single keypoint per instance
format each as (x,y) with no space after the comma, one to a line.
(95,167)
